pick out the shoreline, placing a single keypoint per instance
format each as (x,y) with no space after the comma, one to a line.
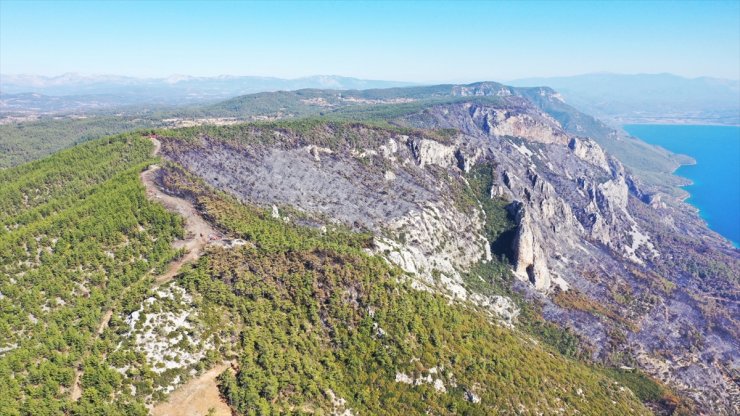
(685,196)
(689,181)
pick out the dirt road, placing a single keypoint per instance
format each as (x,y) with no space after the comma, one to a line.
(201,394)
(198,232)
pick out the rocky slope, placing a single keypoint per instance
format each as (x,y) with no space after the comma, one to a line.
(609,245)
(639,279)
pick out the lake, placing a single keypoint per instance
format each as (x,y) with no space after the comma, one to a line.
(716,176)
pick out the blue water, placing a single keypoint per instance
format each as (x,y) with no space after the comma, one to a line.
(716,175)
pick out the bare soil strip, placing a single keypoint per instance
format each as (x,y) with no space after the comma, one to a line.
(196,397)
(198,232)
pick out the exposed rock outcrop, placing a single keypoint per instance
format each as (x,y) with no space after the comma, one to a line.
(589,151)
(436,243)
(530,261)
(430,152)
(505,122)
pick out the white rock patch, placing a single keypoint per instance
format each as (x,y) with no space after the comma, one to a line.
(433,376)
(403,378)
(639,240)
(163,329)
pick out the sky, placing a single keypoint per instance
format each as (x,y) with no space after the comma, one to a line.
(434,41)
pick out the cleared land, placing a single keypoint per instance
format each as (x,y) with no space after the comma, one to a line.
(196,397)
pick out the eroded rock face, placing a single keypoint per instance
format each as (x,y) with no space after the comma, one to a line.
(503,122)
(589,151)
(613,195)
(430,152)
(436,243)
(483,89)
(569,185)
(529,257)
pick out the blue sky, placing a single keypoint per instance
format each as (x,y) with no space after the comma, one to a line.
(409,41)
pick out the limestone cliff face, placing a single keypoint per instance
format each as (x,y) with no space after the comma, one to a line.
(589,151)
(571,189)
(483,89)
(436,243)
(529,257)
(430,152)
(515,122)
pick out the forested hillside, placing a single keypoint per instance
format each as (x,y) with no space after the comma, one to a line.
(448,249)
(27,141)
(78,237)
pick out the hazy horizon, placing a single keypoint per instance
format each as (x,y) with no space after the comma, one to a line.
(82,74)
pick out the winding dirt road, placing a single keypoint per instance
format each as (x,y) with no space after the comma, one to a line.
(198,233)
(201,394)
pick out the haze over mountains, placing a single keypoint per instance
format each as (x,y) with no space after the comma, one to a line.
(74,92)
(648,98)
(616,98)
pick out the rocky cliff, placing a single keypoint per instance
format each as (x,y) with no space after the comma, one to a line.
(641,284)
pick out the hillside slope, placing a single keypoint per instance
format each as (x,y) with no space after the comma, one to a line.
(314,322)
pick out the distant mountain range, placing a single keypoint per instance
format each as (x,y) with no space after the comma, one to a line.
(652,98)
(615,98)
(75,92)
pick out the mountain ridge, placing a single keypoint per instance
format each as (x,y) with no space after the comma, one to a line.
(630,98)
